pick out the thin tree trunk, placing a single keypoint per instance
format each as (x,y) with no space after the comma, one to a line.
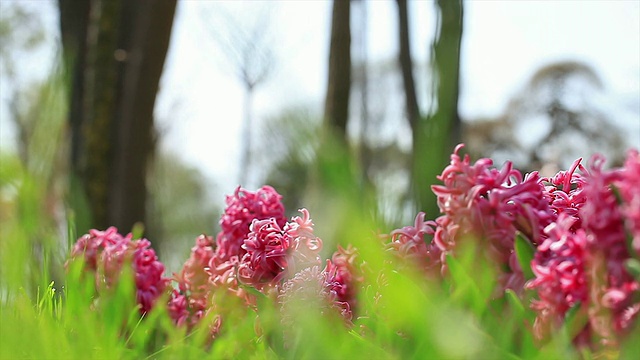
(336,111)
(435,137)
(406,66)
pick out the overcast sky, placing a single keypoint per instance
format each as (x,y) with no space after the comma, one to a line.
(200,101)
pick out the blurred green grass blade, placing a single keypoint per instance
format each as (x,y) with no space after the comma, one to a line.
(525,253)
(465,287)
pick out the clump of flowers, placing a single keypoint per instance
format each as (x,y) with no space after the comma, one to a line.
(560,276)
(481,202)
(243,207)
(104,253)
(257,249)
(582,227)
(191,300)
(583,262)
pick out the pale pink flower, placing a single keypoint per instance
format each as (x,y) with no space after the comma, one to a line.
(344,277)
(311,286)
(194,285)
(414,244)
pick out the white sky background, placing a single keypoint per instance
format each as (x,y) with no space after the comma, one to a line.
(199,107)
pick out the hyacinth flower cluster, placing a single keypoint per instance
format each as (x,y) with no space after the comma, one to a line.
(587,261)
(257,251)
(478,201)
(104,253)
(582,222)
(582,226)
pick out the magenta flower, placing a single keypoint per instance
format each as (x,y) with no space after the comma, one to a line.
(583,259)
(561,279)
(273,252)
(267,250)
(178,308)
(615,292)
(105,253)
(242,208)
(565,192)
(482,202)
(149,271)
(91,245)
(629,187)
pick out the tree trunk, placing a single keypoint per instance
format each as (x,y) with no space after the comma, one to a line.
(406,66)
(336,111)
(435,137)
(117,54)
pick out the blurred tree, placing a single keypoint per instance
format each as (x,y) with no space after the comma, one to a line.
(336,109)
(434,134)
(114,52)
(557,117)
(361,82)
(248,50)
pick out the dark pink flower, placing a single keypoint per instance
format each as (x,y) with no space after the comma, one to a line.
(148,272)
(561,280)
(273,252)
(614,292)
(242,208)
(267,253)
(629,188)
(565,192)
(91,245)
(482,202)
(583,259)
(106,253)
(178,308)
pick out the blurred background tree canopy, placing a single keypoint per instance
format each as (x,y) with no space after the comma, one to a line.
(143,132)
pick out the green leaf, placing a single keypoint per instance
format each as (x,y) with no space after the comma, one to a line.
(514,301)
(633,267)
(465,286)
(524,252)
(574,320)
